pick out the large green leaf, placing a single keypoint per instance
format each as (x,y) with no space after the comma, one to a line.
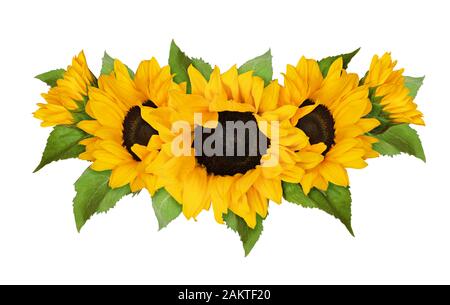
(63,143)
(249,236)
(413,84)
(261,65)
(108,65)
(166,207)
(94,195)
(51,77)
(399,139)
(325,63)
(336,200)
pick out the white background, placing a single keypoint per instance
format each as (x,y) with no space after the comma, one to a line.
(401,206)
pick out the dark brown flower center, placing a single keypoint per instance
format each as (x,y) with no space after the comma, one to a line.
(136,130)
(238,145)
(318,125)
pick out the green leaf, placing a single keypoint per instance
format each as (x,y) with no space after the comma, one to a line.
(399,139)
(261,65)
(413,84)
(249,236)
(166,207)
(51,77)
(108,65)
(336,200)
(202,66)
(94,195)
(325,63)
(179,63)
(62,144)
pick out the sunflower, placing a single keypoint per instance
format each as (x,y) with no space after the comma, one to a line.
(241,182)
(66,97)
(389,84)
(123,141)
(330,111)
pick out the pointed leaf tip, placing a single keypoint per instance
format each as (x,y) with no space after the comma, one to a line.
(336,201)
(399,139)
(248,236)
(62,143)
(166,208)
(325,63)
(261,66)
(51,77)
(93,195)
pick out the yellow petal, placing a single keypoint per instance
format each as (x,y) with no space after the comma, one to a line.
(269,188)
(219,106)
(230,81)
(194,193)
(245,86)
(334,173)
(123,175)
(198,82)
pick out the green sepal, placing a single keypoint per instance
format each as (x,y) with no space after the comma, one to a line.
(378,113)
(80,114)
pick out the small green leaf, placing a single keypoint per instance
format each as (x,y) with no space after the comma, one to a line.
(261,65)
(325,63)
(62,144)
(249,236)
(399,139)
(202,66)
(94,195)
(179,63)
(166,207)
(51,77)
(336,200)
(108,66)
(413,84)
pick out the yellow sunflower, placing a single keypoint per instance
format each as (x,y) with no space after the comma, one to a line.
(67,95)
(390,85)
(330,111)
(240,182)
(124,141)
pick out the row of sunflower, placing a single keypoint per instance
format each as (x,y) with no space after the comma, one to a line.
(327,118)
